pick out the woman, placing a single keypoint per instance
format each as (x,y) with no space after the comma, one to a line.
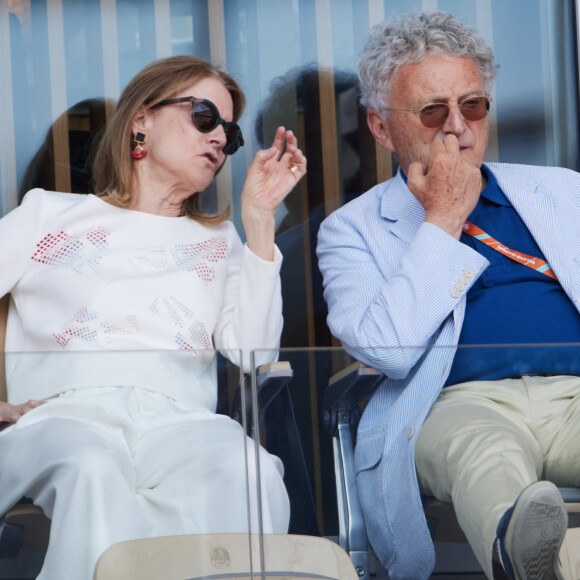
(119,439)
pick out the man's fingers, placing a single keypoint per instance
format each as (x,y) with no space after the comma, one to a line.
(447,144)
(451,143)
(416,171)
(438,146)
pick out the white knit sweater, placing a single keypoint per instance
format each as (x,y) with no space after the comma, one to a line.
(108,296)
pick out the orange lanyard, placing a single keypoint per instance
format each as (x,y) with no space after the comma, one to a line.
(535,263)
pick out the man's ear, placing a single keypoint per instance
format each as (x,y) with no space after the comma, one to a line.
(140,121)
(379,129)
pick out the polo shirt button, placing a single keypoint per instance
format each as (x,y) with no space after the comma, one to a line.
(461,286)
(469,273)
(455,293)
(410,433)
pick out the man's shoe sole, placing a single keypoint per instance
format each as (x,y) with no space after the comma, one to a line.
(536,531)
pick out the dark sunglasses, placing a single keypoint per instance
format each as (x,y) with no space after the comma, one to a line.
(434,115)
(205,117)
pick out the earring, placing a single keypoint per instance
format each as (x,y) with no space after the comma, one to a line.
(139,152)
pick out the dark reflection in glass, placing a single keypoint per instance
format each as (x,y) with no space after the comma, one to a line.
(86,121)
(294,102)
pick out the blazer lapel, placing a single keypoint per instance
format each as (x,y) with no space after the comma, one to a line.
(540,211)
(401,208)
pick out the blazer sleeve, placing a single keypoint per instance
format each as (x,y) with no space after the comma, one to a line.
(387,296)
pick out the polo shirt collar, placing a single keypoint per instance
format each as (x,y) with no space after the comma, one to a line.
(492,192)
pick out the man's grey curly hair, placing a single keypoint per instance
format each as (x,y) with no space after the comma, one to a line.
(408,39)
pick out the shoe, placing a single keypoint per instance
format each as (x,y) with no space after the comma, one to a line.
(531,532)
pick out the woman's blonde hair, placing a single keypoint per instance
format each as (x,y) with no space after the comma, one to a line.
(162,79)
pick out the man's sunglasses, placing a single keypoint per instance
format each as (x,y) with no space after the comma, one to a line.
(434,115)
(206,118)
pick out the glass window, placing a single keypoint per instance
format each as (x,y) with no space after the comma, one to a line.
(64,62)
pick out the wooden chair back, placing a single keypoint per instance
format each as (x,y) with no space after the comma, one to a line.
(226,557)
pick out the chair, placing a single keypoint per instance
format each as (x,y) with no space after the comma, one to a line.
(272,384)
(225,556)
(340,414)
(23,527)
(346,393)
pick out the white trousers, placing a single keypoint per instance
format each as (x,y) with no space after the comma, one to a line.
(113,464)
(484,441)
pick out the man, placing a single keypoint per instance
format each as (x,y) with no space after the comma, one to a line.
(402,269)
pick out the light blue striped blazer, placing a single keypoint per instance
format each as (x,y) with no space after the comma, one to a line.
(395,287)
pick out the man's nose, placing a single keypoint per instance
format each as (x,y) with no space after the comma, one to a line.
(455,122)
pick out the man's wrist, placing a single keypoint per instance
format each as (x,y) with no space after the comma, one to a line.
(449,224)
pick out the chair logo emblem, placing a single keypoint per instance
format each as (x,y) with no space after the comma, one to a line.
(220,558)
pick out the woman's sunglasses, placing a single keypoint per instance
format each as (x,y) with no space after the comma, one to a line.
(434,115)
(205,117)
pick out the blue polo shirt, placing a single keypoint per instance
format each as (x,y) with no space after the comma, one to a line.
(512,304)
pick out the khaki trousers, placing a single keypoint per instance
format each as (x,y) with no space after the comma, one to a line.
(484,441)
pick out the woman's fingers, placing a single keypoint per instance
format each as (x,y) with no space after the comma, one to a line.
(11,413)
(279,138)
(296,162)
(29,405)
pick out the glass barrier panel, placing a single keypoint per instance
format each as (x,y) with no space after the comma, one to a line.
(158,437)
(311,399)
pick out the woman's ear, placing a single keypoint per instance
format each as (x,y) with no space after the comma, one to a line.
(378,126)
(140,121)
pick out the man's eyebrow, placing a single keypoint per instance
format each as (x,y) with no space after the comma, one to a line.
(473,93)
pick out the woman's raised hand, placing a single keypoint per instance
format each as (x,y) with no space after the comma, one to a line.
(271,177)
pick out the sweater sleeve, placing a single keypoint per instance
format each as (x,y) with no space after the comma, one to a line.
(251,315)
(18,232)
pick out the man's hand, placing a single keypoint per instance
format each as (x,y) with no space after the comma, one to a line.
(449,188)
(9,414)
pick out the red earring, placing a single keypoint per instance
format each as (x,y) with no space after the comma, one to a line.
(139,152)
